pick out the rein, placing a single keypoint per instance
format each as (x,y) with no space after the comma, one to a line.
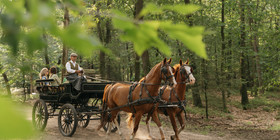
(180,103)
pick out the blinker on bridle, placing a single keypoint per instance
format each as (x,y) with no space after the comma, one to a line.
(183,70)
(164,70)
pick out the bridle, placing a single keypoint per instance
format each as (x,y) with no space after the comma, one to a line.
(164,71)
(187,75)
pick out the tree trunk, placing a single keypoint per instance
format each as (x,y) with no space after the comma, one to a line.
(243,89)
(101,37)
(137,10)
(137,67)
(65,50)
(258,66)
(257,58)
(196,88)
(46,52)
(205,85)
(222,85)
(4,74)
(189,16)
(145,56)
(146,62)
(196,96)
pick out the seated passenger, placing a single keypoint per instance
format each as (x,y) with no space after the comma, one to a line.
(54,76)
(44,75)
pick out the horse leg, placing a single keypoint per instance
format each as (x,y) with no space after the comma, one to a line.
(108,130)
(136,124)
(118,127)
(148,120)
(182,121)
(173,121)
(156,120)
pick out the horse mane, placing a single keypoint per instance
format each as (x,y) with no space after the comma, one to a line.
(142,79)
(176,67)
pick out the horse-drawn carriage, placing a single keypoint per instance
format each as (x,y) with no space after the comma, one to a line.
(143,97)
(73,108)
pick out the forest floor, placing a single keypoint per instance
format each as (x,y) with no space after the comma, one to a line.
(261,121)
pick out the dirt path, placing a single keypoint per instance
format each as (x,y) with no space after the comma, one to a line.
(52,132)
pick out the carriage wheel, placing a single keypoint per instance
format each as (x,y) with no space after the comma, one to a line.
(40,115)
(84,120)
(67,120)
(113,128)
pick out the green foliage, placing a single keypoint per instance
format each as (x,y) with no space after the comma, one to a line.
(144,34)
(26,22)
(151,8)
(13,124)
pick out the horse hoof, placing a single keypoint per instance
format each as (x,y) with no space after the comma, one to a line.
(172,137)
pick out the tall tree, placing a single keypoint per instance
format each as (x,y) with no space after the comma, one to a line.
(223,46)
(101,33)
(243,89)
(198,85)
(137,10)
(66,22)
(46,52)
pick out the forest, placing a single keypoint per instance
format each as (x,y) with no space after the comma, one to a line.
(232,45)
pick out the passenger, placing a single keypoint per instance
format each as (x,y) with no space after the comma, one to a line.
(44,75)
(54,76)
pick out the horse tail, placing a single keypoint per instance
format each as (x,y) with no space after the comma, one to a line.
(104,114)
(129,120)
(105,93)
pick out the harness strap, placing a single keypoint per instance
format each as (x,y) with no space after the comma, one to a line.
(129,98)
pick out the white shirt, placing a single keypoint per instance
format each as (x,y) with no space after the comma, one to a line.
(68,67)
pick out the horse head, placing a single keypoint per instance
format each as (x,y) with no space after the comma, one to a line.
(186,72)
(167,72)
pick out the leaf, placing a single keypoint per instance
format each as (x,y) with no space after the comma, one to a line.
(190,36)
(182,8)
(120,20)
(75,37)
(34,41)
(11,32)
(13,124)
(150,8)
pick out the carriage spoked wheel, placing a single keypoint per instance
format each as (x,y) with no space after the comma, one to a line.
(83,120)
(67,120)
(40,115)
(113,127)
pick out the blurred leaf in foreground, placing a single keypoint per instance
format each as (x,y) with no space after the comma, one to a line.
(13,125)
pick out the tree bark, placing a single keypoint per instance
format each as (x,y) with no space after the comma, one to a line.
(145,56)
(65,50)
(257,57)
(102,39)
(137,67)
(137,10)
(5,77)
(46,52)
(223,46)
(243,89)
(146,62)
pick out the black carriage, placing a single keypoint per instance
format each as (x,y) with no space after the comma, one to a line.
(73,108)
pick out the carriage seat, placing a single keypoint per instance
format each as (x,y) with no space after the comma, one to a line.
(43,88)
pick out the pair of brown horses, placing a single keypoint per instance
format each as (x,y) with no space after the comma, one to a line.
(116,95)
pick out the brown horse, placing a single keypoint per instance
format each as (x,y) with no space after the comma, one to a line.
(183,75)
(116,96)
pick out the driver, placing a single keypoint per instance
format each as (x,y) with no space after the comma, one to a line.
(73,71)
